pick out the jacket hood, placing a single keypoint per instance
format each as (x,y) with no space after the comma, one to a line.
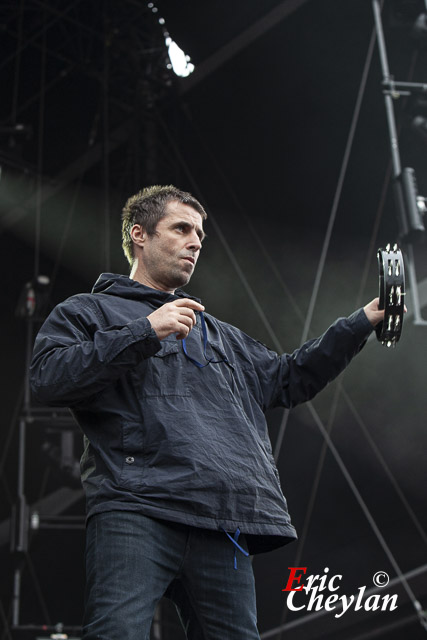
(123,287)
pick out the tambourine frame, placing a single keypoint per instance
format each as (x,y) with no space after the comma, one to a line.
(391,274)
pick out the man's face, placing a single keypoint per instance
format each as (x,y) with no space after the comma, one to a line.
(168,258)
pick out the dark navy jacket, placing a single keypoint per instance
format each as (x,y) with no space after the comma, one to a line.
(168,438)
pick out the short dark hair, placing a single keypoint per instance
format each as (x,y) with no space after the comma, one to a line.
(147,207)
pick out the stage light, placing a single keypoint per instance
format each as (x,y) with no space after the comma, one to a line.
(419,125)
(411,207)
(419,30)
(179,60)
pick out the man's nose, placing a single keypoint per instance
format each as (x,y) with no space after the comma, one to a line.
(194,242)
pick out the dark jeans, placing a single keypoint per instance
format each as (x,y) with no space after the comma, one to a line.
(132,561)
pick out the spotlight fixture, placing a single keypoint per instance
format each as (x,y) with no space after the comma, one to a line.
(419,29)
(34,299)
(402,13)
(179,61)
(419,125)
(411,207)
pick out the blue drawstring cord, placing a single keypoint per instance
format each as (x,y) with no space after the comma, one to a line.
(205,342)
(236,544)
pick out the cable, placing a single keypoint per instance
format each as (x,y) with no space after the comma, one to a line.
(367,513)
(312,499)
(6,627)
(338,191)
(40,156)
(384,465)
(10,433)
(66,231)
(38,589)
(223,240)
(106,139)
(17,63)
(248,221)
(332,218)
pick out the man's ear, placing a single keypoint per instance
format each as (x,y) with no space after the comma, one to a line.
(138,235)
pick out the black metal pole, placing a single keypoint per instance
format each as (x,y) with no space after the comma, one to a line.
(19,541)
(395,156)
(394,144)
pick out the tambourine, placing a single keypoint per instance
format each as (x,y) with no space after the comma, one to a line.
(391,294)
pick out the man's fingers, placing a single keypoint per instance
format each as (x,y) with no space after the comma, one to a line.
(189,320)
(175,317)
(186,317)
(190,304)
(185,312)
(183,332)
(374,315)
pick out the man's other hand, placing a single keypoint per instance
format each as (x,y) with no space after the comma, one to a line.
(175,317)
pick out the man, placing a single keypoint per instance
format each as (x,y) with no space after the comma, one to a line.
(180,481)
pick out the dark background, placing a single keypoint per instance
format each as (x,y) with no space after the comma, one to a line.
(259,133)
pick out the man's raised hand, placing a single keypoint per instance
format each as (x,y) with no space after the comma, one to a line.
(374,315)
(175,317)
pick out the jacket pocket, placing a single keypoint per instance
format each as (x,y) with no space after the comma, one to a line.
(164,374)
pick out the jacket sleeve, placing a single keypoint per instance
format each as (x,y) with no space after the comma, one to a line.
(290,379)
(75,357)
